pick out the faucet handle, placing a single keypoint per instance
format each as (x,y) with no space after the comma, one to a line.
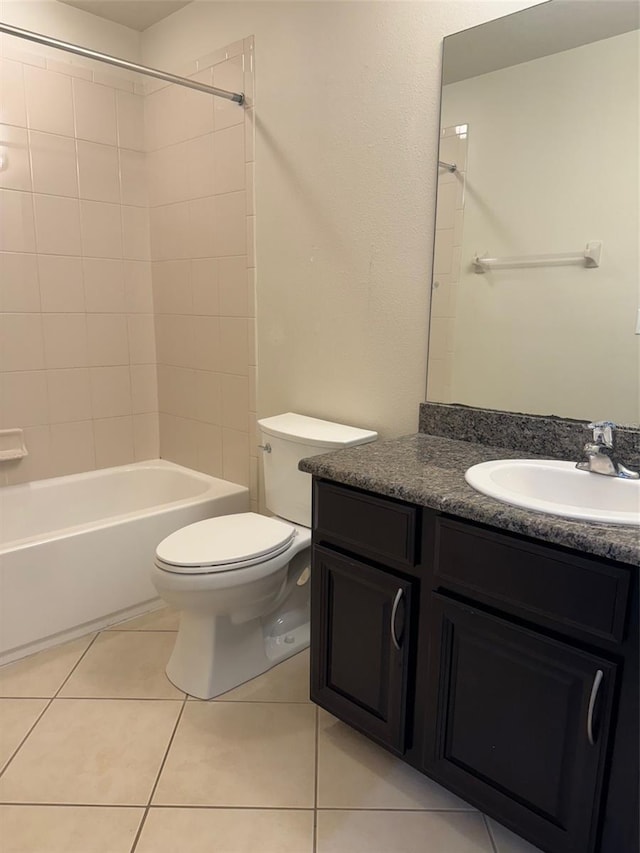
(603,432)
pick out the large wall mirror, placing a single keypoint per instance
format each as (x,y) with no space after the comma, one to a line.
(536,280)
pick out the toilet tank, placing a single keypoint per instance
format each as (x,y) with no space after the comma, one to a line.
(291,438)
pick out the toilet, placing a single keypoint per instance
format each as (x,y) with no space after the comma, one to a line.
(241,581)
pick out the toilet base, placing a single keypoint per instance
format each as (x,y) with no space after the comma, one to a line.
(287,645)
(213,655)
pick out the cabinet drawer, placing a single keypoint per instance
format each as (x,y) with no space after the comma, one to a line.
(574,594)
(377,527)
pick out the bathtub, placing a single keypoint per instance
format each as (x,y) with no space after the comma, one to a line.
(76,552)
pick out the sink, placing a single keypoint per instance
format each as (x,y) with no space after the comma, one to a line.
(558,488)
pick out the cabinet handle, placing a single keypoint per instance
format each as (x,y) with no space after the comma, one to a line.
(597,681)
(394,612)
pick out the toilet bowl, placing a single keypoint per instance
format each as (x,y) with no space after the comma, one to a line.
(238,615)
(241,581)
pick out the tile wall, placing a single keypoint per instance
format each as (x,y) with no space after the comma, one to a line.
(446,262)
(127,274)
(77,348)
(202,244)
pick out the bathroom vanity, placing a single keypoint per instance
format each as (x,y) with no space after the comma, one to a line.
(494,649)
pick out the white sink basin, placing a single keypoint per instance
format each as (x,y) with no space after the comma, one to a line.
(558,488)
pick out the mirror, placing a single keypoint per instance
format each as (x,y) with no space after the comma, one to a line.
(538,184)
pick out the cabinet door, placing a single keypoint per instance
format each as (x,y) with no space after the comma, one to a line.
(518,723)
(360,629)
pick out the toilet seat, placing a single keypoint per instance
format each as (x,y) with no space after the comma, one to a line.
(224,543)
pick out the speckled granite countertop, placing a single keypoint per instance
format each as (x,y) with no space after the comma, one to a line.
(429,470)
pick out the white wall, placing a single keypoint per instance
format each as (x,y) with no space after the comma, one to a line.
(549,178)
(346,141)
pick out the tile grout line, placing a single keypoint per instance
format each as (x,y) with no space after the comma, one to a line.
(161,768)
(101,698)
(46,707)
(77,664)
(209,807)
(162,699)
(145,809)
(315,787)
(27,805)
(391,809)
(492,840)
(217,701)
(105,698)
(31,728)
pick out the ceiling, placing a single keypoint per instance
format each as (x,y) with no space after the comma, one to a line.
(136,14)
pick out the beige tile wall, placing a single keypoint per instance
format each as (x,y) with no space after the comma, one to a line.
(77,348)
(127,277)
(202,225)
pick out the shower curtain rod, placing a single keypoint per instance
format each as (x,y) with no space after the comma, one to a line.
(10,30)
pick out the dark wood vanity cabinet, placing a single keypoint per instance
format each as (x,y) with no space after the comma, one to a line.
(519,722)
(503,668)
(361,609)
(362,623)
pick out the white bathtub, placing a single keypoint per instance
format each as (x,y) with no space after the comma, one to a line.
(76,552)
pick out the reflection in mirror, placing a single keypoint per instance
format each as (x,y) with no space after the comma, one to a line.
(540,119)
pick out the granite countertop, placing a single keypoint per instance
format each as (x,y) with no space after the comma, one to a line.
(429,470)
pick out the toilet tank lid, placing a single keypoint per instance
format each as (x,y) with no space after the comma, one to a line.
(315,431)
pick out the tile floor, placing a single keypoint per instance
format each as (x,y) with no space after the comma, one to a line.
(101,754)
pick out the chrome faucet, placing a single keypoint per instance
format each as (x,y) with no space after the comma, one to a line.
(600,455)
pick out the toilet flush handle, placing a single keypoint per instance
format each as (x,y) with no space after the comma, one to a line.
(266,447)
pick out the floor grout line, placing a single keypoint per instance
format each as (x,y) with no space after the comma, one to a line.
(22,742)
(77,664)
(492,840)
(139,830)
(165,699)
(217,701)
(155,784)
(145,809)
(46,707)
(315,787)
(106,698)
(27,805)
(211,807)
(393,809)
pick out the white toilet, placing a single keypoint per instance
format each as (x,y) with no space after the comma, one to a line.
(240,580)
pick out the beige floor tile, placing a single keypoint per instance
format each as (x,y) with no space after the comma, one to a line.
(125,665)
(401,832)
(42,674)
(92,751)
(254,754)
(355,773)
(67,829)
(287,682)
(16,718)
(507,842)
(227,831)
(164,619)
